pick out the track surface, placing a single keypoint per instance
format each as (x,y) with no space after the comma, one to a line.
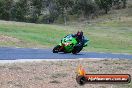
(28,53)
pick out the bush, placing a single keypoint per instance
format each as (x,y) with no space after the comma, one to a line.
(48,19)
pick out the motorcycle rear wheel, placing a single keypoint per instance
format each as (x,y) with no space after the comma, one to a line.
(77,49)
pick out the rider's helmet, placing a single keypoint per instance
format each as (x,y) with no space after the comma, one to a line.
(79,34)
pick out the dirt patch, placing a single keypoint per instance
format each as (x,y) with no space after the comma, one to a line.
(60,74)
(4,38)
(126,19)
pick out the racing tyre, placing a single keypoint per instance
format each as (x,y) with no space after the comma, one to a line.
(77,49)
(56,49)
(74,51)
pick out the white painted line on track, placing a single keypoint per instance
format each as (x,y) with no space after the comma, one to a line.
(38,60)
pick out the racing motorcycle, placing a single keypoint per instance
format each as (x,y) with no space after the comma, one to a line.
(69,44)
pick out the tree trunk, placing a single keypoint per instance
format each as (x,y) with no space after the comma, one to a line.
(65,21)
(124,3)
(65,16)
(106,10)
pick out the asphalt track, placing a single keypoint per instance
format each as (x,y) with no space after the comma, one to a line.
(7,53)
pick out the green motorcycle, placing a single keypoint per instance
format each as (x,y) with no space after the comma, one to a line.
(69,45)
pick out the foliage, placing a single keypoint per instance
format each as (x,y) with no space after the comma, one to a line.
(48,11)
(104,4)
(5,9)
(19,10)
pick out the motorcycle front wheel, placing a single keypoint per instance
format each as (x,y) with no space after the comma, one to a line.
(56,49)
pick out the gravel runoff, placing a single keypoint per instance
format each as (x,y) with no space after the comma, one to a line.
(60,73)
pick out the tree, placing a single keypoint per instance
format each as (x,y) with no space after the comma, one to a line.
(5,9)
(85,7)
(53,11)
(36,9)
(124,3)
(104,4)
(47,11)
(63,7)
(19,10)
(120,3)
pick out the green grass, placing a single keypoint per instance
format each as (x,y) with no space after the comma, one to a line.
(112,36)
(34,34)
